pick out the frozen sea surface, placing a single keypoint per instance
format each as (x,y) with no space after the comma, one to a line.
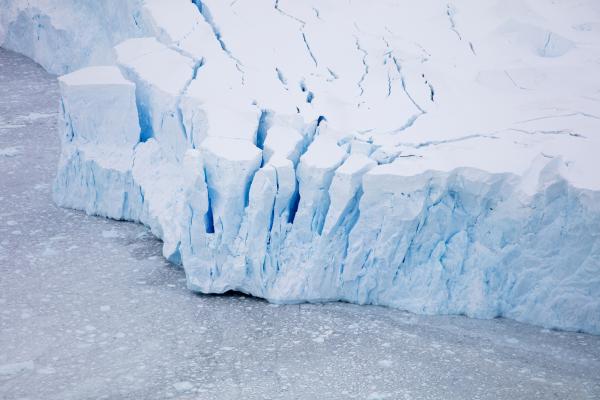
(89,309)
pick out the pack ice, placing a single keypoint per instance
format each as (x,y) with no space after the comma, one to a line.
(431,156)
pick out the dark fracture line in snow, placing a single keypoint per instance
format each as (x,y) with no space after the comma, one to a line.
(431,91)
(553,132)
(458,139)
(175,45)
(513,81)
(312,56)
(205,12)
(388,57)
(317,13)
(450,14)
(387,45)
(428,54)
(281,78)
(366,66)
(364,62)
(302,25)
(472,48)
(411,121)
(394,157)
(560,116)
(403,82)
(302,22)
(333,75)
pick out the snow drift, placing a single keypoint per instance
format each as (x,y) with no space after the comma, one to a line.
(435,157)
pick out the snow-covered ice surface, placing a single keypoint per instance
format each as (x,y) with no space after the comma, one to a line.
(434,157)
(89,309)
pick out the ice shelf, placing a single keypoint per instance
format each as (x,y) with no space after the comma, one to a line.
(435,158)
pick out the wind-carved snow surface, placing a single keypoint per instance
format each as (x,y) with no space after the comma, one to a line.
(436,157)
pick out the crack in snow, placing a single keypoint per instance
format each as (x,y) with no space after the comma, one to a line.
(175,45)
(454,140)
(388,56)
(332,74)
(431,91)
(472,48)
(394,157)
(195,69)
(450,12)
(365,65)
(205,12)
(317,13)
(302,22)
(410,122)
(514,82)
(281,78)
(312,56)
(551,132)
(560,116)
(403,82)
(428,54)
(302,25)
(398,67)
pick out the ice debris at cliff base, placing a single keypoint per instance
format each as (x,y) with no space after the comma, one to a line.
(353,154)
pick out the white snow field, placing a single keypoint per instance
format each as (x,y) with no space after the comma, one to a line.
(440,158)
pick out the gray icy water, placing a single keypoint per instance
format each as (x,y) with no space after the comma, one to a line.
(90,310)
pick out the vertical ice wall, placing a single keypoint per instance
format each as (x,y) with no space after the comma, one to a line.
(64,35)
(338,166)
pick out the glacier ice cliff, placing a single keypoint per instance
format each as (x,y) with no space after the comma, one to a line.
(438,158)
